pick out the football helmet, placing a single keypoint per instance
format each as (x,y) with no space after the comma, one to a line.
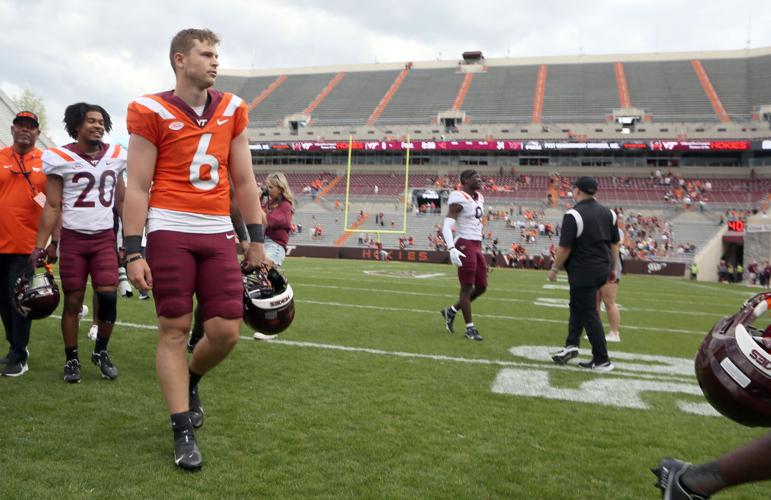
(268,301)
(36,296)
(733,365)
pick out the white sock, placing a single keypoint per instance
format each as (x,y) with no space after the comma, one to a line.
(469,325)
(452,308)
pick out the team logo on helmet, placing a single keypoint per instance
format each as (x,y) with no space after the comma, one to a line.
(36,296)
(733,365)
(268,301)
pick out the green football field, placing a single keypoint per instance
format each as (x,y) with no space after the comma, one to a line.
(367,396)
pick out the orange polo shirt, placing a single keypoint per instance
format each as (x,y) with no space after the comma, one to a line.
(19,212)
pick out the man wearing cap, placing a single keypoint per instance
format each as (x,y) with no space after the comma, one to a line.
(588,250)
(22,188)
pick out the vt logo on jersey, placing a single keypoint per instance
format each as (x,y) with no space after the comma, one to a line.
(202,122)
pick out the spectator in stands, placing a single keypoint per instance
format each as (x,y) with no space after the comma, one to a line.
(277,217)
(739,273)
(722,272)
(694,270)
(766,274)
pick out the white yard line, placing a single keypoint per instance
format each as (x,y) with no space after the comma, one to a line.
(493,316)
(488,298)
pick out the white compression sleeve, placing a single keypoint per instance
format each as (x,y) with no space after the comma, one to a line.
(449,223)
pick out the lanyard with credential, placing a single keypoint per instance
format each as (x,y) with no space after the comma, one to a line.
(20,162)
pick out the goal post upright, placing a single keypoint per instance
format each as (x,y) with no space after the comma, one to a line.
(405,194)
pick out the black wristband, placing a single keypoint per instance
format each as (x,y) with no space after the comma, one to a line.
(241,232)
(55,243)
(134,258)
(132,244)
(256,234)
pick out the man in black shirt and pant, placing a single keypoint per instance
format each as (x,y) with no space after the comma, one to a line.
(588,249)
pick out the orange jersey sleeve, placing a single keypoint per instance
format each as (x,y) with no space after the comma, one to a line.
(192,165)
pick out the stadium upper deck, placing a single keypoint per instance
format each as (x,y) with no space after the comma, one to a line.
(677,95)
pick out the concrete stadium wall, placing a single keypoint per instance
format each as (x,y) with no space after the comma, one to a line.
(709,257)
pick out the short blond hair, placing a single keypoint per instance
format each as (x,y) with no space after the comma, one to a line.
(183,42)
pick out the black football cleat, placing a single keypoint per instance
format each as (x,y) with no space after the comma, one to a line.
(103,361)
(448,317)
(472,334)
(196,410)
(668,473)
(186,453)
(72,371)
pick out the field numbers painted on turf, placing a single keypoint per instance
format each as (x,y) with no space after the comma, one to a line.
(621,392)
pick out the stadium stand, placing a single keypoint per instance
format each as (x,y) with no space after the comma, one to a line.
(580,92)
(422,95)
(296,93)
(502,95)
(354,98)
(669,91)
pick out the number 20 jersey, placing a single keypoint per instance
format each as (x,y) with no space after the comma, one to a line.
(88,186)
(190,190)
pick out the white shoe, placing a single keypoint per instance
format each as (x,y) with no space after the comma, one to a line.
(613,337)
(262,336)
(83,311)
(92,332)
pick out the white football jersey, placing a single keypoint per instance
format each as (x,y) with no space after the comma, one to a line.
(468,225)
(88,186)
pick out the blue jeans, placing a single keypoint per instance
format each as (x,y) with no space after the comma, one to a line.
(274,252)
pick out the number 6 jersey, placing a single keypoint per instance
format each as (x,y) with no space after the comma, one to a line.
(190,191)
(88,184)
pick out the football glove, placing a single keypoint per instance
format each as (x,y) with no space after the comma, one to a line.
(455,256)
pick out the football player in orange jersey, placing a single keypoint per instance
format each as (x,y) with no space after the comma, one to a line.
(184,145)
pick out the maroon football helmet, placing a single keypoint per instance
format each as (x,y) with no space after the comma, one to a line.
(268,301)
(733,366)
(36,296)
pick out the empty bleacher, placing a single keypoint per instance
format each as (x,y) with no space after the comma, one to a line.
(502,95)
(580,93)
(729,78)
(759,78)
(354,98)
(291,97)
(422,95)
(669,90)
